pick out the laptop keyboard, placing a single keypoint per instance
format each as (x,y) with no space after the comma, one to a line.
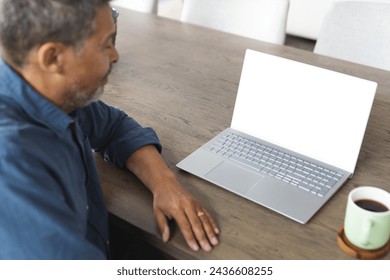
(299,173)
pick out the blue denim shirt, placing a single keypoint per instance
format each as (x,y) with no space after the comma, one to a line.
(51,201)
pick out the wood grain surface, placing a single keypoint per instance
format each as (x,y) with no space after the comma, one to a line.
(182,81)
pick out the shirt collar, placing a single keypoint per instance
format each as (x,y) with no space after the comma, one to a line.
(34,104)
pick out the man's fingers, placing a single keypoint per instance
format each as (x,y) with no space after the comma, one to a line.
(203,229)
(196,224)
(187,231)
(162,224)
(210,227)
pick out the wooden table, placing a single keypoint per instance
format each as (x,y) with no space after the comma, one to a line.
(182,81)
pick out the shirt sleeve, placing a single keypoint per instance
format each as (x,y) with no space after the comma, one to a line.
(114,134)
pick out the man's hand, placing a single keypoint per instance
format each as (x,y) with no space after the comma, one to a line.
(172,201)
(196,224)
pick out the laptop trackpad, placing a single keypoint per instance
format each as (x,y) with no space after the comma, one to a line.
(233,177)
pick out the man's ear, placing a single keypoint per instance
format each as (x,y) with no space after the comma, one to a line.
(52,57)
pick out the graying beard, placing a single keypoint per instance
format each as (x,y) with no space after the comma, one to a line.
(80,99)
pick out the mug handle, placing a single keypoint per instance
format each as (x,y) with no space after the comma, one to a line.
(366,232)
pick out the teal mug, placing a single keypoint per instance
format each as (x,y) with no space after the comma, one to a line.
(367,217)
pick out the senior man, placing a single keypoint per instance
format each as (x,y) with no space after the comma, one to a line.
(57,56)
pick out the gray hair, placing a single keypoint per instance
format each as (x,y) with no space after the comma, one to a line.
(25,24)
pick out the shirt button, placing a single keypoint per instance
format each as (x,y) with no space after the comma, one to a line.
(87,207)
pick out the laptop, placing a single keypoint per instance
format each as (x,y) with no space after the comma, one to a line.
(294,139)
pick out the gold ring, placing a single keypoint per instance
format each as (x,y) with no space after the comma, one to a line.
(200,214)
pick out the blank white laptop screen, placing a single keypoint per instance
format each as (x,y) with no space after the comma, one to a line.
(308,112)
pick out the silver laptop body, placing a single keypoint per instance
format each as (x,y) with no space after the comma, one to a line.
(294,139)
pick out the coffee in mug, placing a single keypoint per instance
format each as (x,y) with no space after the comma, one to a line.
(371,205)
(367,218)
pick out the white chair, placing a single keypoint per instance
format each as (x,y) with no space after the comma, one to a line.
(257,19)
(358,32)
(144,6)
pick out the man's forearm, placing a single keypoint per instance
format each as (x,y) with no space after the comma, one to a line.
(148,165)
